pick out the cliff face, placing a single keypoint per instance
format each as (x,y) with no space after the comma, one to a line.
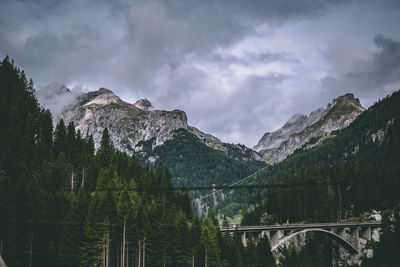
(300,129)
(130,125)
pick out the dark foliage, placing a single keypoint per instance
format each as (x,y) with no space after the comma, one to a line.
(61,204)
(192,163)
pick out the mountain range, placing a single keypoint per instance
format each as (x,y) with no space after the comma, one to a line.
(130,125)
(193,157)
(300,128)
(357,170)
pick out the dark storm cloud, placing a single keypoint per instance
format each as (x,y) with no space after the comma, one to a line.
(133,39)
(226,114)
(251,58)
(373,75)
(386,63)
(162,34)
(56,42)
(170,52)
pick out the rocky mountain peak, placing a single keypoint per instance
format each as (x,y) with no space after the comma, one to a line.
(144,104)
(345,100)
(128,124)
(104,90)
(295,124)
(346,97)
(134,128)
(101,97)
(299,129)
(294,120)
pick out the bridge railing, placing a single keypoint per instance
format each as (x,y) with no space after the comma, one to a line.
(255,228)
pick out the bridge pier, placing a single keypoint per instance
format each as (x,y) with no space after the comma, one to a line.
(354,236)
(267,234)
(341,232)
(275,236)
(366,233)
(375,235)
(244,239)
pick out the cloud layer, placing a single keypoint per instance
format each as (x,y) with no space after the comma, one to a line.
(238,68)
(379,72)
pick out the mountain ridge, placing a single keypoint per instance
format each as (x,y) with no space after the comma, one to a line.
(300,129)
(129,124)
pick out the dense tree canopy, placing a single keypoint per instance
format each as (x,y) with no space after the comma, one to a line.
(62,204)
(355,171)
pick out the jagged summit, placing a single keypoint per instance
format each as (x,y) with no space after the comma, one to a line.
(345,99)
(132,125)
(128,124)
(103,96)
(295,124)
(144,104)
(294,119)
(103,90)
(299,129)
(274,139)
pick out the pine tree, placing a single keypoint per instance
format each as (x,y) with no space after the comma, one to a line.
(60,138)
(182,243)
(263,253)
(106,151)
(209,241)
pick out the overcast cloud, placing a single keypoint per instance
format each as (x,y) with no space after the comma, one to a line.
(237,68)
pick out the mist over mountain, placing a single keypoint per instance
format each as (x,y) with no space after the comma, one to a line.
(133,124)
(56,97)
(153,133)
(156,137)
(128,124)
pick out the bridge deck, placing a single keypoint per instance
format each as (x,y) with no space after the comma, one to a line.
(257,228)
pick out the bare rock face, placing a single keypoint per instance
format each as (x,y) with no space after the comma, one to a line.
(144,104)
(127,124)
(299,129)
(130,125)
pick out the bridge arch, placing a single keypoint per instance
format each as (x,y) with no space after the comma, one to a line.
(341,240)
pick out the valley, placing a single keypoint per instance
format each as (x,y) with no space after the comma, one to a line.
(112,182)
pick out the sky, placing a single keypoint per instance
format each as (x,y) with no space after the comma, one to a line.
(237,68)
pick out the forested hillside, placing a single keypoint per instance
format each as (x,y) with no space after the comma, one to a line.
(348,175)
(357,170)
(156,137)
(62,204)
(195,164)
(192,163)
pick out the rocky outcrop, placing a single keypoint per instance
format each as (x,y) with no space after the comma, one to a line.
(144,104)
(295,124)
(130,125)
(300,129)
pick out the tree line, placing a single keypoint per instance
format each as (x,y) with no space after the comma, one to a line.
(358,170)
(63,204)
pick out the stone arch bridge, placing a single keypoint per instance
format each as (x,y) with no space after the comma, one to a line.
(350,235)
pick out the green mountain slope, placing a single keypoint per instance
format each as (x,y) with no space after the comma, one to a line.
(61,204)
(160,137)
(192,163)
(363,158)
